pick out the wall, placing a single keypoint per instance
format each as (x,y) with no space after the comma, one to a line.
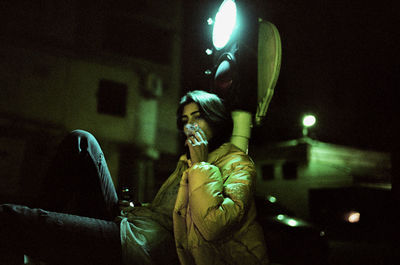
(318,165)
(51,63)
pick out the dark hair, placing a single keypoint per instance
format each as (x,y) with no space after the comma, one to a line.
(213,111)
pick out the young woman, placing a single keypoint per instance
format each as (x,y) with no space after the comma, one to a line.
(204,213)
(214,212)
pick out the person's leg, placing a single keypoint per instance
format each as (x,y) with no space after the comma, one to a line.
(78,181)
(57,238)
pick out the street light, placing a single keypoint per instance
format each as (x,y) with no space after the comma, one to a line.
(225,22)
(246,55)
(309,120)
(246,59)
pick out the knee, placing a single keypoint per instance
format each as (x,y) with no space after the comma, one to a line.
(83,140)
(78,141)
(82,137)
(7,211)
(80,134)
(6,207)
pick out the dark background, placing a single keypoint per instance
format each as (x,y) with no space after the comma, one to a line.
(339,61)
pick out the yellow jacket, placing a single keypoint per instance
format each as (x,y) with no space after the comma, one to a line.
(214,213)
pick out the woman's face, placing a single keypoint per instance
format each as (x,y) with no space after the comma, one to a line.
(191,115)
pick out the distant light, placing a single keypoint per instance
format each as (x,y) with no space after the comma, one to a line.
(287,220)
(292,222)
(309,120)
(208,72)
(353,217)
(271,199)
(131,204)
(209,51)
(225,22)
(210,21)
(322,233)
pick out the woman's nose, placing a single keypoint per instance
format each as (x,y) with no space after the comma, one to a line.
(191,120)
(191,129)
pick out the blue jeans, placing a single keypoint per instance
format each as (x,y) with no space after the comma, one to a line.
(74,224)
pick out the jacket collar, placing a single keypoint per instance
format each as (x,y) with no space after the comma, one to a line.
(221,151)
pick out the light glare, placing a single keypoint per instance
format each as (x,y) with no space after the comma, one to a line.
(271,199)
(353,217)
(309,120)
(225,22)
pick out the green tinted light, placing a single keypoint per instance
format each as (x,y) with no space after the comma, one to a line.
(271,199)
(292,222)
(309,120)
(225,22)
(208,72)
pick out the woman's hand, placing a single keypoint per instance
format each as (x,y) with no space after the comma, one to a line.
(126,206)
(198,147)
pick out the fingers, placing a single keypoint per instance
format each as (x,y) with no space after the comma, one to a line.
(200,137)
(202,133)
(197,139)
(198,146)
(190,141)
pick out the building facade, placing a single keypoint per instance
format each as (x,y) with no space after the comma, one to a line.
(290,171)
(108,67)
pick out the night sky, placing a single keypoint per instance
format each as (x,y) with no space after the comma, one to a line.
(340,61)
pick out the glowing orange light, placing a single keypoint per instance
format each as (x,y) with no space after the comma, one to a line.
(353,217)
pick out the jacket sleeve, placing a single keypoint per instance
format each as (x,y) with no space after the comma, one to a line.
(219,200)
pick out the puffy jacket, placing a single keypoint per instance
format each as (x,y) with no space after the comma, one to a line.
(214,213)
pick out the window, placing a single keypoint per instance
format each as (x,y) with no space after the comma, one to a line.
(268,172)
(111,98)
(289,170)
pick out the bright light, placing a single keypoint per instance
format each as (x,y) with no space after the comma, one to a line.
(210,21)
(309,120)
(209,51)
(271,199)
(287,220)
(353,217)
(225,22)
(292,222)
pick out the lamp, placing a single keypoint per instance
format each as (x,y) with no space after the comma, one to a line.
(309,120)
